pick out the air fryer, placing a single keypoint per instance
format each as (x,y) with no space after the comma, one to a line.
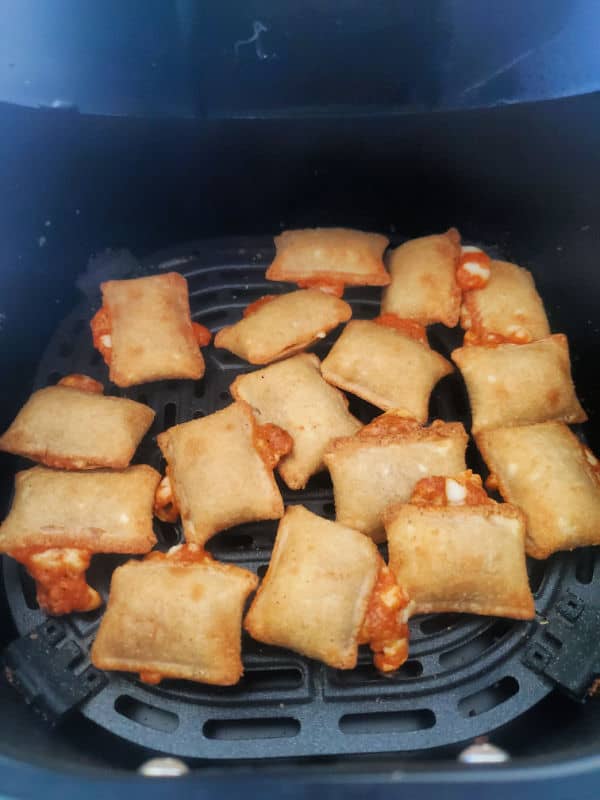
(149,136)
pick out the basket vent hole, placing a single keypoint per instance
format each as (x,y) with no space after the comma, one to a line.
(438,623)
(266,680)
(170,414)
(388,721)
(144,714)
(584,568)
(470,651)
(484,700)
(240,729)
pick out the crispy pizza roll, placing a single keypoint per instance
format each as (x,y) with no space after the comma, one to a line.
(58,520)
(383,462)
(329,257)
(277,326)
(145,333)
(220,469)
(461,558)
(512,384)
(293,395)
(326,591)
(424,286)
(68,428)
(175,615)
(546,471)
(507,309)
(385,367)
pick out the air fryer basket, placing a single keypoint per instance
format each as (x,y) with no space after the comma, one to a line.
(521,180)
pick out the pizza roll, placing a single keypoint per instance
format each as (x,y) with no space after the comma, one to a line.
(293,395)
(277,326)
(327,591)
(385,367)
(424,286)
(330,258)
(175,615)
(58,520)
(512,384)
(69,428)
(220,469)
(145,333)
(507,309)
(383,462)
(461,558)
(546,471)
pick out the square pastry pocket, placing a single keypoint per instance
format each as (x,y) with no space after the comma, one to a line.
(58,520)
(144,330)
(424,286)
(278,326)
(319,590)
(553,478)
(519,384)
(175,615)
(461,558)
(382,464)
(385,367)
(70,428)
(507,309)
(220,472)
(294,396)
(329,257)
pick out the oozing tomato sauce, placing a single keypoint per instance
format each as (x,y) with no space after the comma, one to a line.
(257,304)
(201,334)
(327,285)
(476,279)
(436,491)
(272,443)
(406,326)
(383,628)
(101,325)
(165,505)
(59,574)
(477,335)
(82,382)
(388,425)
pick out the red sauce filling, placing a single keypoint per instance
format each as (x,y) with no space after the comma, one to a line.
(272,443)
(59,575)
(468,280)
(257,304)
(101,325)
(165,505)
(201,334)
(406,326)
(432,491)
(327,285)
(477,335)
(82,382)
(383,629)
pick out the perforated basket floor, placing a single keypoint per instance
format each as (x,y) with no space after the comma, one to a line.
(466,675)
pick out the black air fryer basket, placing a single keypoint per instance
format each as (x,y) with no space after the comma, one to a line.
(162,137)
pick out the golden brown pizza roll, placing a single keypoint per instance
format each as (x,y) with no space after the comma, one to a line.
(325,586)
(293,395)
(58,520)
(385,367)
(546,471)
(221,472)
(331,257)
(424,286)
(461,558)
(519,384)
(383,462)
(175,615)
(145,333)
(507,309)
(277,326)
(68,428)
